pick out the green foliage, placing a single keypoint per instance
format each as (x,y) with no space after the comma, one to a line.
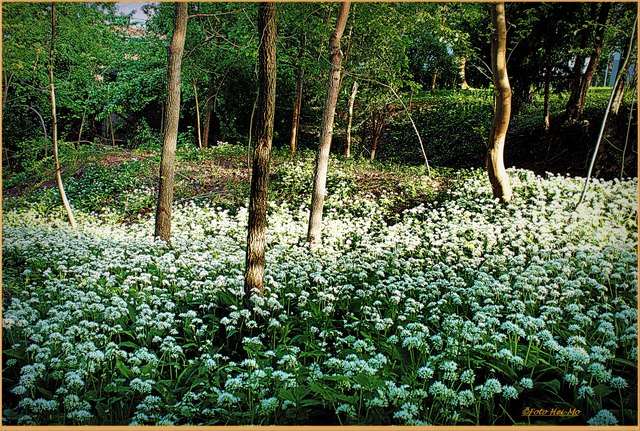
(454,127)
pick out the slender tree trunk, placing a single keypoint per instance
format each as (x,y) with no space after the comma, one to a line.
(211,94)
(293,140)
(322,158)
(606,71)
(345,59)
(352,99)
(433,82)
(5,88)
(547,108)
(80,131)
(378,121)
(256,234)
(195,94)
(495,147)
(207,117)
(54,130)
(172,114)
(112,133)
(576,105)
(462,73)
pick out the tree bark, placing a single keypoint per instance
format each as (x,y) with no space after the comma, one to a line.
(54,130)
(547,108)
(256,232)
(195,93)
(462,73)
(378,124)
(352,99)
(172,116)
(622,85)
(207,116)
(322,158)
(495,147)
(298,99)
(576,103)
(433,82)
(211,93)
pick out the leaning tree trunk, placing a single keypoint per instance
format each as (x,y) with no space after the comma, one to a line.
(256,233)
(576,104)
(495,146)
(298,99)
(352,99)
(54,130)
(322,158)
(172,115)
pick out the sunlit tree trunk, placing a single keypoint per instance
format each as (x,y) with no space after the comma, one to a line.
(495,146)
(577,101)
(172,115)
(54,130)
(462,74)
(352,99)
(433,82)
(547,106)
(322,158)
(256,233)
(293,140)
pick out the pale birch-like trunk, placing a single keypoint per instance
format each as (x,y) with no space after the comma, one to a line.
(54,130)
(352,99)
(297,102)
(322,158)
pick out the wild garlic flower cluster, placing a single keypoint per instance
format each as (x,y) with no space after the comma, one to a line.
(450,315)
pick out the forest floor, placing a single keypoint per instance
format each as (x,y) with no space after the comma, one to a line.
(428,303)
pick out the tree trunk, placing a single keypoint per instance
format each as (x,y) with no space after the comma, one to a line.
(6,77)
(462,73)
(195,94)
(495,146)
(622,84)
(547,109)
(54,130)
(352,99)
(172,116)
(211,94)
(576,103)
(433,82)
(112,132)
(207,116)
(322,158)
(298,99)
(256,234)
(378,124)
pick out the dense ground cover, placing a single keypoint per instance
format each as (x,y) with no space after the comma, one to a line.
(454,311)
